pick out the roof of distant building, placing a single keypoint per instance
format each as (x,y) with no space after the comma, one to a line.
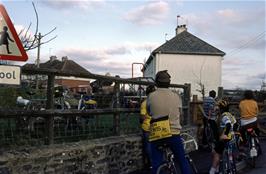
(186,43)
(65,66)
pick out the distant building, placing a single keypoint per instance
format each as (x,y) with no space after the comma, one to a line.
(66,66)
(188,59)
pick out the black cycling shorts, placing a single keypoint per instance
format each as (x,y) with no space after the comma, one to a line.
(219,147)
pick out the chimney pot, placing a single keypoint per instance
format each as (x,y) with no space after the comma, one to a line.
(64,58)
(180,29)
(53,58)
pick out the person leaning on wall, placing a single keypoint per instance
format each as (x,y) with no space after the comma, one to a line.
(145,119)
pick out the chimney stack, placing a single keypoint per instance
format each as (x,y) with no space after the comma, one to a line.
(53,58)
(64,58)
(180,29)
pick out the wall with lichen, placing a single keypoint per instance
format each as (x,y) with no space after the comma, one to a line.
(113,155)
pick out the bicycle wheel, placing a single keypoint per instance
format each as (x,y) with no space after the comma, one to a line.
(253,152)
(258,147)
(228,166)
(233,166)
(192,165)
(224,164)
(167,169)
(253,162)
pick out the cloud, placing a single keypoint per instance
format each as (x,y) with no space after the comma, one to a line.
(64,5)
(121,69)
(237,76)
(116,59)
(99,53)
(150,14)
(229,18)
(229,15)
(254,81)
(179,2)
(231,27)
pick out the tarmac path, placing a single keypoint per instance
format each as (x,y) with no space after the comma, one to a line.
(260,163)
(202,160)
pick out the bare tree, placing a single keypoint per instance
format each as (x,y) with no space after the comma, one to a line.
(30,41)
(199,80)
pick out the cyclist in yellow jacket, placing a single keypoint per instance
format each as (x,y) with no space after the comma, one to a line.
(228,126)
(145,119)
(248,110)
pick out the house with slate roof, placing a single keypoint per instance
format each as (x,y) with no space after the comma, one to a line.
(65,66)
(188,59)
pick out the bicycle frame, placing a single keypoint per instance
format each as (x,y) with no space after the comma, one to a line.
(253,150)
(169,162)
(228,161)
(251,134)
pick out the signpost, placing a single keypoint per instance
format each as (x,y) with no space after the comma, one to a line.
(10,45)
(10,49)
(9,75)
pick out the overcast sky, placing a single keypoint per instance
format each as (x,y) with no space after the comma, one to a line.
(108,36)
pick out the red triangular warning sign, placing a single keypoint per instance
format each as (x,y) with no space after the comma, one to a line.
(10,45)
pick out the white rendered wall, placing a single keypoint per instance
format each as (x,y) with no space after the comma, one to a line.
(150,69)
(191,69)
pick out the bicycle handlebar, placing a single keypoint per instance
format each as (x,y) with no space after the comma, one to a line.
(190,140)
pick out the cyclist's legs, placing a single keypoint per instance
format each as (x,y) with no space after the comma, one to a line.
(157,156)
(218,152)
(204,139)
(214,128)
(176,145)
(147,147)
(244,128)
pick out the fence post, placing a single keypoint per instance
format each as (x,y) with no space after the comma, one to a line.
(49,132)
(186,104)
(220,92)
(195,109)
(117,105)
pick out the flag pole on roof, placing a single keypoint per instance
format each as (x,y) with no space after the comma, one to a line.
(178,16)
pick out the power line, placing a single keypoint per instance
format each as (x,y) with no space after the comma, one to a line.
(248,43)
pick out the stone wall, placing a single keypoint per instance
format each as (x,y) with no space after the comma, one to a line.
(102,156)
(113,155)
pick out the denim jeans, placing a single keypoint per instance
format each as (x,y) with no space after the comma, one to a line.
(146,146)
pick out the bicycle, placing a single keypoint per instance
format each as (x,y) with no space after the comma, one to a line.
(254,149)
(228,162)
(28,122)
(169,166)
(86,102)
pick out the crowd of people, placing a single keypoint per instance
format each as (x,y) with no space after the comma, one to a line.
(160,122)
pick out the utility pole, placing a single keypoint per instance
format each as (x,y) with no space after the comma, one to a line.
(38,50)
(39,37)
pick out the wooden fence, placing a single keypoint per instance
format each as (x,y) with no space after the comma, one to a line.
(50,113)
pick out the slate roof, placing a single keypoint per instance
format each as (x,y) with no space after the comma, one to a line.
(66,66)
(186,43)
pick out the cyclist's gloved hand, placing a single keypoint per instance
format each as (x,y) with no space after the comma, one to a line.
(224,137)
